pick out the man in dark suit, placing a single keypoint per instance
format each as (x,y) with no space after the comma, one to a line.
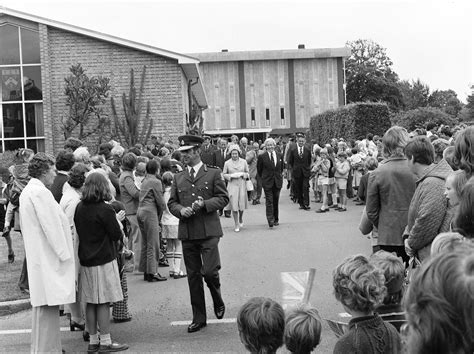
(207,151)
(220,157)
(299,160)
(198,192)
(270,168)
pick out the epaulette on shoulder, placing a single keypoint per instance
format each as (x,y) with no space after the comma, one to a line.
(211,166)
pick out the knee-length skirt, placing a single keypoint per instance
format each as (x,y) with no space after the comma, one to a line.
(100,284)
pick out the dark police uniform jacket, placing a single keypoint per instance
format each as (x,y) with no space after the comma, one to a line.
(208,184)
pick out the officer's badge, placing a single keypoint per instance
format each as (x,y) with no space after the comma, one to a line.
(182,142)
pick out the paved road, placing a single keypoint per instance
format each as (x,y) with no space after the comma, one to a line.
(252,261)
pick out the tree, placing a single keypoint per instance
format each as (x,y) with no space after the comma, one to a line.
(128,129)
(419,117)
(369,75)
(470,105)
(85,97)
(446,100)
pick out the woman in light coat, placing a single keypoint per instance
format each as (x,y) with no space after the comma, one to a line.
(49,250)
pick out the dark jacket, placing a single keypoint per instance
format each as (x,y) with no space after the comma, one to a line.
(271,175)
(98,230)
(389,192)
(301,166)
(57,186)
(220,158)
(369,335)
(207,154)
(208,184)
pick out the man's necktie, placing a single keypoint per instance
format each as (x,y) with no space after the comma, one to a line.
(271,157)
(301,153)
(192,173)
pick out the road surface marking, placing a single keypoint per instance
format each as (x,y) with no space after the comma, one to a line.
(187,323)
(26,331)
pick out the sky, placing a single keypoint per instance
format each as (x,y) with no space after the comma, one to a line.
(428,40)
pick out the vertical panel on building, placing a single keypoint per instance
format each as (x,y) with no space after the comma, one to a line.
(231,81)
(243,110)
(330,75)
(323,81)
(291,90)
(266,93)
(340,81)
(315,86)
(281,91)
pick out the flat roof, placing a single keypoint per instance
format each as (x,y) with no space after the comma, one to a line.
(283,54)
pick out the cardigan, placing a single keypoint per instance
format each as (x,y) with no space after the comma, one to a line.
(369,334)
(98,229)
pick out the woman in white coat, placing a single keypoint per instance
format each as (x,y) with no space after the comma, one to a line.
(49,251)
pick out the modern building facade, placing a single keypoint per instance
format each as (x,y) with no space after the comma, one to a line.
(36,55)
(272,92)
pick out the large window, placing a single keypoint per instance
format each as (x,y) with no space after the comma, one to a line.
(21,91)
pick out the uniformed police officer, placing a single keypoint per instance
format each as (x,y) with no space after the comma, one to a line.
(198,192)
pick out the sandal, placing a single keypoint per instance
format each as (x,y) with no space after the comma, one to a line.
(11,257)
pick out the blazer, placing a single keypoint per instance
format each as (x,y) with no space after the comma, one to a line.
(389,192)
(271,175)
(301,166)
(219,160)
(208,184)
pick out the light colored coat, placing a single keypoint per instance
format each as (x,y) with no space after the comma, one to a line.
(48,244)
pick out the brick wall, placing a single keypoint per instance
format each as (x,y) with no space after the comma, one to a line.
(163,81)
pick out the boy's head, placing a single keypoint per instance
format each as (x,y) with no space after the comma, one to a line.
(302,329)
(358,285)
(261,322)
(140,169)
(394,272)
(371,163)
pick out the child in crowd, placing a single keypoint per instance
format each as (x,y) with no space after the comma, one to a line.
(394,272)
(357,165)
(359,287)
(446,242)
(322,168)
(261,323)
(139,174)
(342,172)
(453,187)
(302,329)
(440,304)
(169,230)
(99,281)
(370,164)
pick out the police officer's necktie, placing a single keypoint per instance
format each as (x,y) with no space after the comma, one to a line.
(192,173)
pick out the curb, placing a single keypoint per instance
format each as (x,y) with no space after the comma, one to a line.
(11,307)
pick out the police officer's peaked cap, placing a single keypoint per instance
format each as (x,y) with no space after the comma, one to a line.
(187,142)
(206,137)
(299,135)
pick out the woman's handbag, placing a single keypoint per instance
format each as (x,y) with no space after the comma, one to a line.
(249,185)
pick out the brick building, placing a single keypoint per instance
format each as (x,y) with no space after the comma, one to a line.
(256,93)
(39,52)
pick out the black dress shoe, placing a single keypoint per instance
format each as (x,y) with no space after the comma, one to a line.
(307,207)
(219,311)
(270,225)
(194,327)
(276,223)
(155,277)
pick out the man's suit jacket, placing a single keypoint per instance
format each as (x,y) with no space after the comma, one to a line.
(271,175)
(207,154)
(219,159)
(208,184)
(301,166)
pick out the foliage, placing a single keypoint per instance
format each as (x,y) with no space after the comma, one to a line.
(84,97)
(470,106)
(369,75)
(353,121)
(415,94)
(128,129)
(446,100)
(419,117)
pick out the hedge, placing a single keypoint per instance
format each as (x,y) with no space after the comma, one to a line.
(420,117)
(353,121)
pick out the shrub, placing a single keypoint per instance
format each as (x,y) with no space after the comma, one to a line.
(420,117)
(353,121)
(7,158)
